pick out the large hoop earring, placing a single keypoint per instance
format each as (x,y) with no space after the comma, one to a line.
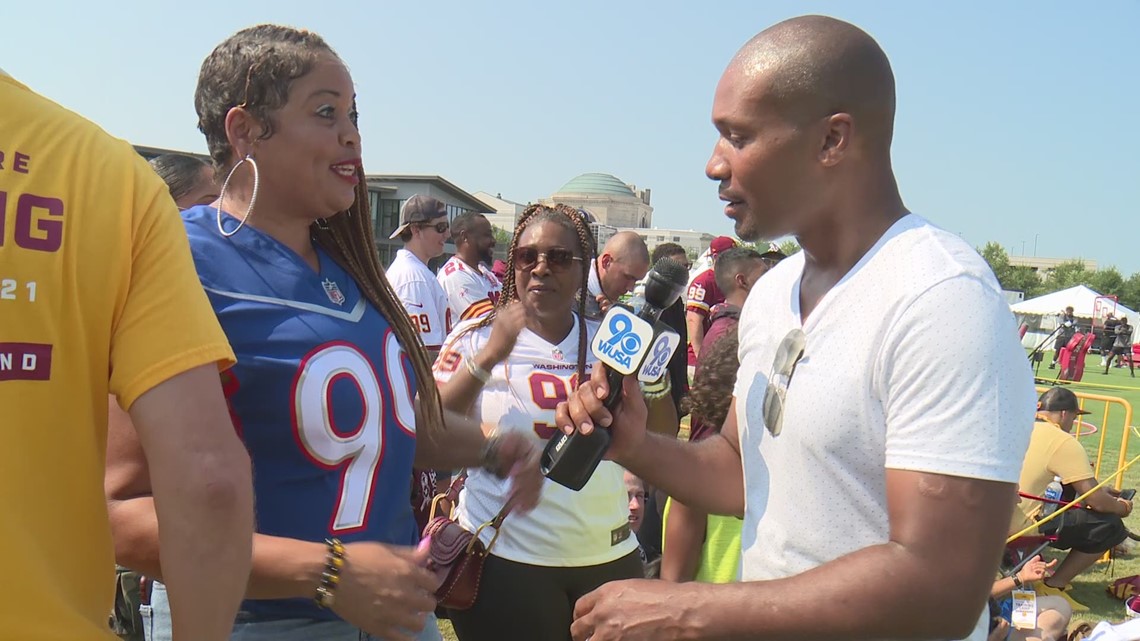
(252,200)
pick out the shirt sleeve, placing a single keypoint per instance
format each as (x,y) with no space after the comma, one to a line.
(1070,462)
(699,296)
(422,304)
(466,294)
(165,325)
(956,386)
(459,345)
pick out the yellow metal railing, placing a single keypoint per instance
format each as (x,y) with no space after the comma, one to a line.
(1108,401)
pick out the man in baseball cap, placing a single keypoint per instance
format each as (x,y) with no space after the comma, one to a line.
(420,211)
(702,296)
(424,228)
(1089,532)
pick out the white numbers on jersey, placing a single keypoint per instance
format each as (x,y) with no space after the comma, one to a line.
(10,290)
(360,450)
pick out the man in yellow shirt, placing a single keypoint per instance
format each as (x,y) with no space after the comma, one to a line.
(98,296)
(1087,533)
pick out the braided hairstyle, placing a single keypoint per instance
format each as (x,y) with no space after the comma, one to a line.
(348,238)
(711,394)
(569,218)
(254,69)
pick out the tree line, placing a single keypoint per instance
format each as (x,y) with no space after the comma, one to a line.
(1107,282)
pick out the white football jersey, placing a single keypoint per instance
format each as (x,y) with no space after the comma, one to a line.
(568,528)
(422,297)
(471,292)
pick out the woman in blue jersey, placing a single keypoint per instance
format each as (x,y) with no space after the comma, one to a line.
(332,385)
(513,367)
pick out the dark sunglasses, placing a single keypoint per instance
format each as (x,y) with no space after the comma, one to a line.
(526,258)
(788,355)
(438,227)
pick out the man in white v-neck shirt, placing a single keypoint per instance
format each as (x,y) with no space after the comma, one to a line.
(873,453)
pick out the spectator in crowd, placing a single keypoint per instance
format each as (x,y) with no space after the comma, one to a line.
(703,295)
(106,303)
(1087,533)
(471,287)
(1053,612)
(332,392)
(190,179)
(424,229)
(697,545)
(622,262)
(510,369)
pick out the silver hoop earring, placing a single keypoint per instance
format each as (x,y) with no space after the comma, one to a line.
(252,200)
(322,224)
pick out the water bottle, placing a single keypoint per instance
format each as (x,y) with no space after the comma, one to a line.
(1052,492)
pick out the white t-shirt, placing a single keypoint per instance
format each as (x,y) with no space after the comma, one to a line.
(568,528)
(912,362)
(470,292)
(422,297)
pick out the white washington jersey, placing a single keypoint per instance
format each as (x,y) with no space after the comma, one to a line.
(422,297)
(471,291)
(568,528)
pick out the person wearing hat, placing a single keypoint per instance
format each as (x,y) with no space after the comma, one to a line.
(424,229)
(1087,532)
(703,295)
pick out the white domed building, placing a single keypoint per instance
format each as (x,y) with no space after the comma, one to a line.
(611,201)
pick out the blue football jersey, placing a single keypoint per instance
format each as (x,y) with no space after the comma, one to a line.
(321,395)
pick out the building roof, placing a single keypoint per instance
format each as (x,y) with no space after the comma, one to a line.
(466,199)
(597,184)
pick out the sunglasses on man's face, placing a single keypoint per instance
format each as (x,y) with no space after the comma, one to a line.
(526,258)
(440,228)
(788,355)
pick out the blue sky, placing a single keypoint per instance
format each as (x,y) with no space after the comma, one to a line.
(1016,120)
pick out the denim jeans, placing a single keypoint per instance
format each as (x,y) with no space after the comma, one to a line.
(156,625)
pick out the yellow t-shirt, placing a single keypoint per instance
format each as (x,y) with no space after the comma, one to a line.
(720,553)
(1052,452)
(98,295)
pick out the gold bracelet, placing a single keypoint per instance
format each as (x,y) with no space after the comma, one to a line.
(330,578)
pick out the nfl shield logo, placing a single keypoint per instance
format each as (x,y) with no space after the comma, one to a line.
(333,292)
(557,354)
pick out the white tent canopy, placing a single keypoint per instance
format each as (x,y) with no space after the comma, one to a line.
(1041,313)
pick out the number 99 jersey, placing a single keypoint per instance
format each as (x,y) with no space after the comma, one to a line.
(568,528)
(321,395)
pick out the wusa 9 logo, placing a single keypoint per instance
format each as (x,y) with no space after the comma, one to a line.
(623,340)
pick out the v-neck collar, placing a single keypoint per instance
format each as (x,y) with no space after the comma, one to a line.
(837,289)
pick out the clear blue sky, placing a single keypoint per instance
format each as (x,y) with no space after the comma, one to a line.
(1016,120)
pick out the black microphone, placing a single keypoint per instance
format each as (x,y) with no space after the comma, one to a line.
(623,343)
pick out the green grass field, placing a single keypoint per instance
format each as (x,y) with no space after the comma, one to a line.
(1089,588)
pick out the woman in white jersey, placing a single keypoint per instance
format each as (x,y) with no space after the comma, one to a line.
(511,368)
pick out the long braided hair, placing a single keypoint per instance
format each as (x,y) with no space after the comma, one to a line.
(348,238)
(569,218)
(254,69)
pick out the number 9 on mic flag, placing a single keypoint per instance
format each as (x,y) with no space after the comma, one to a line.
(623,340)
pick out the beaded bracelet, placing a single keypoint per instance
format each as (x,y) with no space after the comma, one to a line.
(330,578)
